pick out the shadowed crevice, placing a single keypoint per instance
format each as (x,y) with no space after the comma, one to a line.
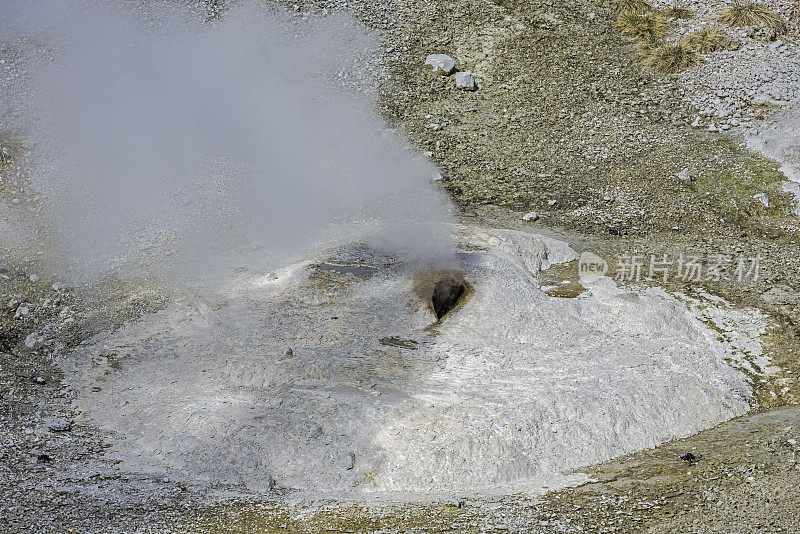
(446,294)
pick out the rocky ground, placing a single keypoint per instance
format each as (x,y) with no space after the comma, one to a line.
(566,124)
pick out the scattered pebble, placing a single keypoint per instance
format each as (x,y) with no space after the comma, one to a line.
(684,175)
(61,425)
(350,461)
(530,216)
(39,455)
(690,458)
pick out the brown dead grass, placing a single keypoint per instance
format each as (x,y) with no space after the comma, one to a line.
(643,25)
(752,15)
(707,40)
(667,58)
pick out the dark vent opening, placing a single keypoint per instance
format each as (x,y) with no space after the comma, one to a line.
(446,294)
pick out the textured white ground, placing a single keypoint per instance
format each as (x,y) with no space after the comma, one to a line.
(780,139)
(510,392)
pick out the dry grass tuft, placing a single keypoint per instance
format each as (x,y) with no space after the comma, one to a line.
(752,15)
(678,13)
(707,40)
(11,148)
(667,58)
(626,6)
(644,25)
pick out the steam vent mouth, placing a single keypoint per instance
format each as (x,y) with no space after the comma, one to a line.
(446,295)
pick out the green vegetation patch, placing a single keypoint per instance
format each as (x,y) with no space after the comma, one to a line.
(738,188)
(269,517)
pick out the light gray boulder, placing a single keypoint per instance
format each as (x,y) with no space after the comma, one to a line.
(466,81)
(441,63)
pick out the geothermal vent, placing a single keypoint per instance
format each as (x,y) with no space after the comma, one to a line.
(446,294)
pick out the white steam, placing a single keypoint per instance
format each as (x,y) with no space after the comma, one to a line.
(164,141)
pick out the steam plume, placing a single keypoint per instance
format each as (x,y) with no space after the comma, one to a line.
(168,142)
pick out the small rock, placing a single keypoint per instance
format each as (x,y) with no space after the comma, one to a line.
(455,502)
(761,100)
(39,455)
(286,355)
(551,202)
(350,461)
(793,188)
(33,278)
(530,216)
(763,198)
(466,81)
(696,123)
(441,63)
(39,380)
(684,175)
(690,458)
(61,425)
(30,341)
